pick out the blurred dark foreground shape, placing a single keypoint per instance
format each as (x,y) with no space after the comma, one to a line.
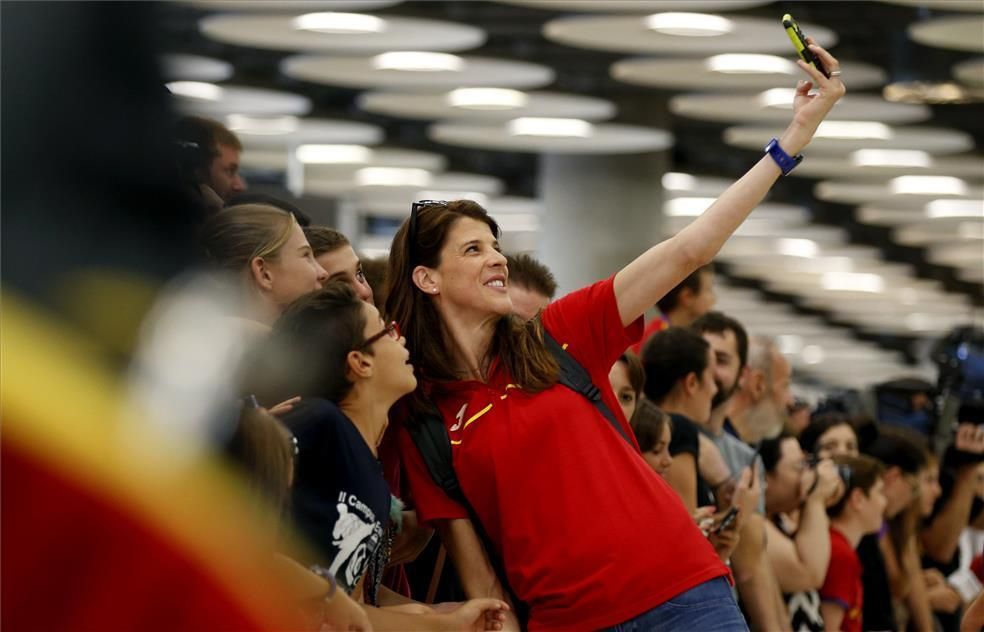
(95,537)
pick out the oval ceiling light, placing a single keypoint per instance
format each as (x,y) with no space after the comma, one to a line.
(955,208)
(687,206)
(928,185)
(777,98)
(689,24)
(393,177)
(181,67)
(486,98)
(675,181)
(538,126)
(333,154)
(418,61)
(852,282)
(330,22)
(795,247)
(196,90)
(854,130)
(748,64)
(262,125)
(891,158)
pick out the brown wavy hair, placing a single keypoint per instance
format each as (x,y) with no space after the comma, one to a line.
(519,345)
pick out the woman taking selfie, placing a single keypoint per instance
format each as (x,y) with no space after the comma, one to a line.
(563,498)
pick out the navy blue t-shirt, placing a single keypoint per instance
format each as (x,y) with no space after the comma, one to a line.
(340,501)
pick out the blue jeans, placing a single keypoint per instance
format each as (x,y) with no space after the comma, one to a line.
(708,607)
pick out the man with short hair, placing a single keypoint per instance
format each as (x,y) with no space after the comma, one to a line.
(214,155)
(691,299)
(531,285)
(680,380)
(754,576)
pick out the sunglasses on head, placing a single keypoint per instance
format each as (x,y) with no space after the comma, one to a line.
(412,228)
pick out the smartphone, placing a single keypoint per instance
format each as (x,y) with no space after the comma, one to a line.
(725,521)
(799,43)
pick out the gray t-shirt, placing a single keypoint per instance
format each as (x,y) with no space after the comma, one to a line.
(738,455)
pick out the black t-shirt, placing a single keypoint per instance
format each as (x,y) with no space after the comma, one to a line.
(877,609)
(684,440)
(340,501)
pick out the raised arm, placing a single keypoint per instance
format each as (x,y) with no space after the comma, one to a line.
(658,270)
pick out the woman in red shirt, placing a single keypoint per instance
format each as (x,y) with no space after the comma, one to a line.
(589,536)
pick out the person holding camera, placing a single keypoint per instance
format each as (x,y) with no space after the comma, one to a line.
(799,553)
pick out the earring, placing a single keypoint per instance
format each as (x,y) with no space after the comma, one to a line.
(434,291)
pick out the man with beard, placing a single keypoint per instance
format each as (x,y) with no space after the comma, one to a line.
(758,407)
(754,577)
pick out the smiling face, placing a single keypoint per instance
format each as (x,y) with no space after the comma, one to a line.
(839,440)
(727,365)
(472,276)
(344,265)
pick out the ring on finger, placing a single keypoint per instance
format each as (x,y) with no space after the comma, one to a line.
(835,73)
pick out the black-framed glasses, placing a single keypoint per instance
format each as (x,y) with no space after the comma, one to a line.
(392,330)
(412,227)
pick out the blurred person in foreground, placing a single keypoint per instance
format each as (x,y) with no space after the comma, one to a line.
(116,517)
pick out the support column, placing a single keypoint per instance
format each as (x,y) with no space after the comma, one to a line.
(599,213)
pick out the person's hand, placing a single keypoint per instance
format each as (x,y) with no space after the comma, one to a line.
(933,577)
(809,110)
(970,438)
(725,540)
(747,492)
(477,614)
(284,407)
(829,486)
(344,614)
(943,598)
(704,518)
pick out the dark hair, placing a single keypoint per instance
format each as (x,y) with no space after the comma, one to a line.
(262,447)
(324,239)
(317,332)
(374,271)
(253,197)
(718,323)
(693,283)
(198,141)
(865,472)
(633,368)
(671,355)
(648,423)
(529,273)
(519,345)
(771,450)
(898,447)
(821,423)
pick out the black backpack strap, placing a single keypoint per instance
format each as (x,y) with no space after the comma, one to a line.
(575,377)
(432,440)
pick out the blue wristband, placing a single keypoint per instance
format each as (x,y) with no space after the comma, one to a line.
(786,162)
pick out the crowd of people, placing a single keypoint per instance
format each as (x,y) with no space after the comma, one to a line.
(455,447)
(579,467)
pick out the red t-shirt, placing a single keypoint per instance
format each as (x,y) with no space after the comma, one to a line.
(654,326)
(842,585)
(589,535)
